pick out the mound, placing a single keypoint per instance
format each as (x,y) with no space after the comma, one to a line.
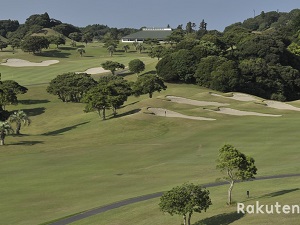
(169,113)
(25,63)
(280,105)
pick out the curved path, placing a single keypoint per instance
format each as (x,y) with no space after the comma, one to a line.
(126,202)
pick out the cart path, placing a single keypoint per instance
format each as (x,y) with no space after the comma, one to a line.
(126,202)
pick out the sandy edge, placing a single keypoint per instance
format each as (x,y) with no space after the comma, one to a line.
(169,113)
(193,102)
(25,63)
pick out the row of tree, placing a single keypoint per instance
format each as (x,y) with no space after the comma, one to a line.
(188,198)
(110,92)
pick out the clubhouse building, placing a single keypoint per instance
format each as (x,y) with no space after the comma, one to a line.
(159,34)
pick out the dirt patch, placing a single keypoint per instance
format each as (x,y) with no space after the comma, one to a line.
(95,70)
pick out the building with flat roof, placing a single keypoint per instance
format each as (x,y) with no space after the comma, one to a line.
(159,34)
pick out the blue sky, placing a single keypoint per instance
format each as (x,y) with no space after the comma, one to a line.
(137,13)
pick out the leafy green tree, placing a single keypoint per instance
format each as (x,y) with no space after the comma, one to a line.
(2,45)
(236,167)
(70,87)
(34,44)
(112,66)
(9,90)
(118,92)
(87,37)
(15,43)
(185,200)
(42,20)
(157,52)
(97,99)
(57,40)
(75,36)
(136,66)
(135,44)
(19,117)
(176,36)
(111,49)
(148,84)
(5,129)
(81,51)
(66,29)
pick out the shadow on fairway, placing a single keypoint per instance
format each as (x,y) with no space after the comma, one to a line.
(278,193)
(34,111)
(29,143)
(133,103)
(63,130)
(126,113)
(224,219)
(33,101)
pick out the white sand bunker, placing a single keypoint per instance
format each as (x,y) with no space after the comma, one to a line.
(236,112)
(95,70)
(169,113)
(280,105)
(238,96)
(25,63)
(194,102)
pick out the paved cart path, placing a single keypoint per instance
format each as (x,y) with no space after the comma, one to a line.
(126,202)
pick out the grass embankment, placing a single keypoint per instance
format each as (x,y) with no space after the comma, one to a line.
(68,161)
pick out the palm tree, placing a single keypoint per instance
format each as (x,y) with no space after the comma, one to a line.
(5,129)
(126,47)
(19,117)
(111,49)
(81,51)
(140,47)
(135,44)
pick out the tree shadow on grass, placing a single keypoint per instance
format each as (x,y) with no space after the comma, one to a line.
(221,219)
(54,53)
(133,103)
(34,111)
(33,101)
(63,130)
(278,193)
(131,112)
(29,143)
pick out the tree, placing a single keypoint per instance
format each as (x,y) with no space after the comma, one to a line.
(112,66)
(126,48)
(75,36)
(148,84)
(5,129)
(136,66)
(57,40)
(96,99)
(111,49)
(34,44)
(2,45)
(184,200)
(157,51)
(81,51)
(70,87)
(9,90)
(19,117)
(140,47)
(236,165)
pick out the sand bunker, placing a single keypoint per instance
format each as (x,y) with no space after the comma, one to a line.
(194,102)
(238,96)
(280,105)
(236,112)
(169,113)
(25,63)
(95,70)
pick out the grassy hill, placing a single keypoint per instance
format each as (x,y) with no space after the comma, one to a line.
(68,161)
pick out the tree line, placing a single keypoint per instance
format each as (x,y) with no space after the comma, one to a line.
(262,61)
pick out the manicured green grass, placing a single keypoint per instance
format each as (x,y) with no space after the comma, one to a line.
(284,191)
(68,161)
